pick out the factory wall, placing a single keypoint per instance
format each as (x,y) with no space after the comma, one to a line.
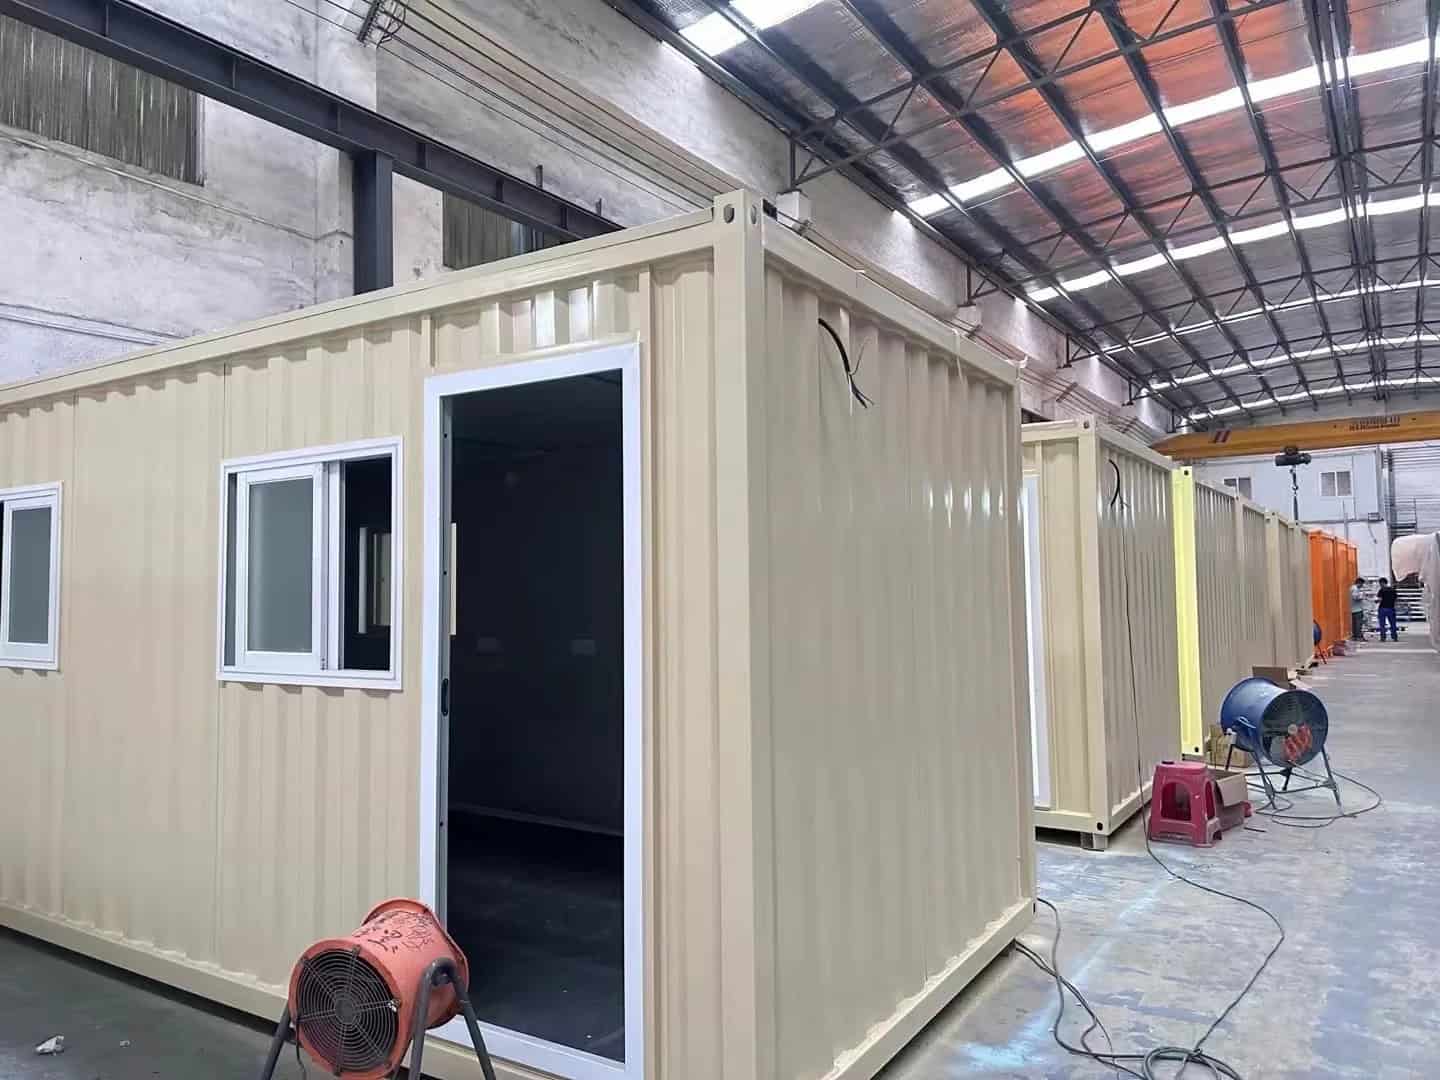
(573,88)
(104,257)
(1359,517)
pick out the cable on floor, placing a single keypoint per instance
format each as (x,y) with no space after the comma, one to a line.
(1183,1056)
(1281,815)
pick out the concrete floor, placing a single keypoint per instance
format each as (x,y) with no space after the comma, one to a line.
(1351,994)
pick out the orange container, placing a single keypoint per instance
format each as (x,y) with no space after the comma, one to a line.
(1326,566)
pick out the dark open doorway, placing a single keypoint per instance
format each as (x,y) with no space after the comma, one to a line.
(536,787)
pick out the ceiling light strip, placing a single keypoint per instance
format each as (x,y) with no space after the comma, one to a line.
(1260,90)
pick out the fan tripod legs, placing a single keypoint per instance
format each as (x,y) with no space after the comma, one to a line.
(277,1045)
(1329,781)
(438,974)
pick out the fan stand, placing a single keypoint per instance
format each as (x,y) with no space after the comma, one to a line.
(439,973)
(1329,783)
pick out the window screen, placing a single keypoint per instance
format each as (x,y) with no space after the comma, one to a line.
(310,568)
(64,92)
(29,576)
(1240,484)
(1335,484)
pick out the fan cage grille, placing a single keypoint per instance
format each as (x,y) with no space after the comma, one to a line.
(1285,712)
(346,1012)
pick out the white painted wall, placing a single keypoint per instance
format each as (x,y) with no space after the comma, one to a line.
(1348,518)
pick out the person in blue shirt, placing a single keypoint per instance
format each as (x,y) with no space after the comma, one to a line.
(1386,613)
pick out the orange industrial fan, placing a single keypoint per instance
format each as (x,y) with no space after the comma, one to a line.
(358,1003)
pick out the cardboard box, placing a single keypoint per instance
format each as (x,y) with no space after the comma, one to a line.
(1233,791)
(1220,745)
(1278,675)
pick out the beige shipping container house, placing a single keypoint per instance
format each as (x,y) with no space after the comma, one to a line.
(1102,631)
(585,567)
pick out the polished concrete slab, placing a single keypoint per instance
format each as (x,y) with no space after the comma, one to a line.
(1350,995)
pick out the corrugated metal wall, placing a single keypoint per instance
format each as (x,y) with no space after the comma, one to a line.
(1289,572)
(223,827)
(893,597)
(1414,495)
(1322,569)
(37,446)
(1137,608)
(64,91)
(1108,575)
(1218,576)
(317,791)
(1257,639)
(1304,640)
(205,833)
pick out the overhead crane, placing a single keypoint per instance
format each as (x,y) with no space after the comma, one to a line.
(1307,435)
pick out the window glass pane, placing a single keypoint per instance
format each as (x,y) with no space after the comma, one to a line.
(1327,484)
(281,549)
(1342,483)
(365,544)
(1245,487)
(29,589)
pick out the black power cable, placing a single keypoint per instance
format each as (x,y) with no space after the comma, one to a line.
(850,372)
(1281,815)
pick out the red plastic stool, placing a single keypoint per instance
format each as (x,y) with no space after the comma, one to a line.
(1183,804)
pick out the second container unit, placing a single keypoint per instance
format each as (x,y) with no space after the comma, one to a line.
(1100,575)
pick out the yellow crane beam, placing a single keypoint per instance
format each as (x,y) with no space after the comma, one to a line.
(1308,435)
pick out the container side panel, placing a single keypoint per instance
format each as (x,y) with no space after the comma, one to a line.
(141,726)
(1279,604)
(1304,641)
(36,447)
(318,788)
(683,567)
(1220,607)
(1062,502)
(898,837)
(1256,638)
(1137,610)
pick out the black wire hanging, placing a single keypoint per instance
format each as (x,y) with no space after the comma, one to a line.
(850,371)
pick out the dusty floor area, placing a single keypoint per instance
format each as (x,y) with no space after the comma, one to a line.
(1351,994)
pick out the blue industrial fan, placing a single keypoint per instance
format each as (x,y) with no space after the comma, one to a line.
(1285,728)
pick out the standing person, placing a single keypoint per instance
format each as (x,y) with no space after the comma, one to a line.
(1357,610)
(1386,614)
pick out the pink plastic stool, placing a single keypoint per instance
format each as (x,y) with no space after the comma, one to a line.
(1183,804)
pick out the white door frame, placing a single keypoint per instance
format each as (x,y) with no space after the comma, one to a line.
(512,1045)
(1035,642)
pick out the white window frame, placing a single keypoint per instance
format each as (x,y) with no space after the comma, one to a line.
(1035,643)
(27,655)
(319,464)
(1334,477)
(1236,484)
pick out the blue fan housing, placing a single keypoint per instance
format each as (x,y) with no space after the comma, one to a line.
(1285,727)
